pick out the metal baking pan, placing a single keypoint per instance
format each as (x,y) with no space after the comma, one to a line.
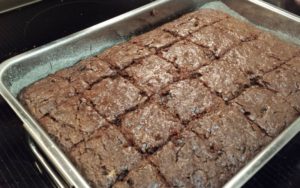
(22,70)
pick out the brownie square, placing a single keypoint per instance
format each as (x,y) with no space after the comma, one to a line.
(143,176)
(188,98)
(274,47)
(294,64)
(230,135)
(72,122)
(251,60)
(215,39)
(156,39)
(188,162)
(122,55)
(114,96)
(105,158)
(294,100)
(43,96)
(152,74)
(224,78)
(150,127)
(187,56)
(242,30)
(268,110)
(284,80)
(194,21)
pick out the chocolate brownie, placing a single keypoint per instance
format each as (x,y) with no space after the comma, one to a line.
(224,78)
(273,47)
(152,74)
(250,60)
(188,98)
(113,96)
(294,100)
(268,110)
(192,22)
(242,30)
(144,176)
(188,162)
(284,80)
(150,127)
(230,135)
(215,39)
(105,158)
(122,55)
(72,122)
(294,64)
(187,56)
(154,39)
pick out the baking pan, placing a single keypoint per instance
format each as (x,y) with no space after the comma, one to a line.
(22,70)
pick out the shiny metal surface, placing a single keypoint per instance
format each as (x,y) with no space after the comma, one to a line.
(24,69)
(8,5)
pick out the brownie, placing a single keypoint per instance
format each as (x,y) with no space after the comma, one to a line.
(152,74)
(215,39)
(230,135)
(284,80)
(143,176)
(124,54)
(188,162)
(224,78)
(105,158)
(150,127)
(250,60)
(294,100)
(72,122)
(114,96)
(154,39)
(187,56)
(242,30)
(268,110)
(294,64)
(188,98)
(43,96)
(277,48)
(192,22)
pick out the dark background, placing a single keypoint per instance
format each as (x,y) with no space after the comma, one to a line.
(38,24)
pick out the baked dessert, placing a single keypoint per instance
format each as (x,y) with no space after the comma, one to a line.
(185,105)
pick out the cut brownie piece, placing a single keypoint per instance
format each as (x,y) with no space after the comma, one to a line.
(251,60)
(152,74)
(72,122)
(188,162)
(144,176)
(187,56)
(154,39)
(192,22)
(272,46)
(189,98)
(224,78)
(284,80)
(105,158)
(269,111)
(150,127)
(122,55)
(294,64)
(44,95)
(294,100)
(86,72)
(215,39)
(242,30)
(229,134)
(113,96)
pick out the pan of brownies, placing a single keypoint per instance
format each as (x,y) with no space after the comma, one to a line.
(173,94)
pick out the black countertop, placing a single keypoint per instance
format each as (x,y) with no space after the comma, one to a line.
(38,24)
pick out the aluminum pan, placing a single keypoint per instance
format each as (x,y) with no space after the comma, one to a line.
(16,73)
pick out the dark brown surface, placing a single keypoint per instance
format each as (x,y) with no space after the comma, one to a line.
(151,100)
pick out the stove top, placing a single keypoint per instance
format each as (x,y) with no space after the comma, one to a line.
(40,23)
